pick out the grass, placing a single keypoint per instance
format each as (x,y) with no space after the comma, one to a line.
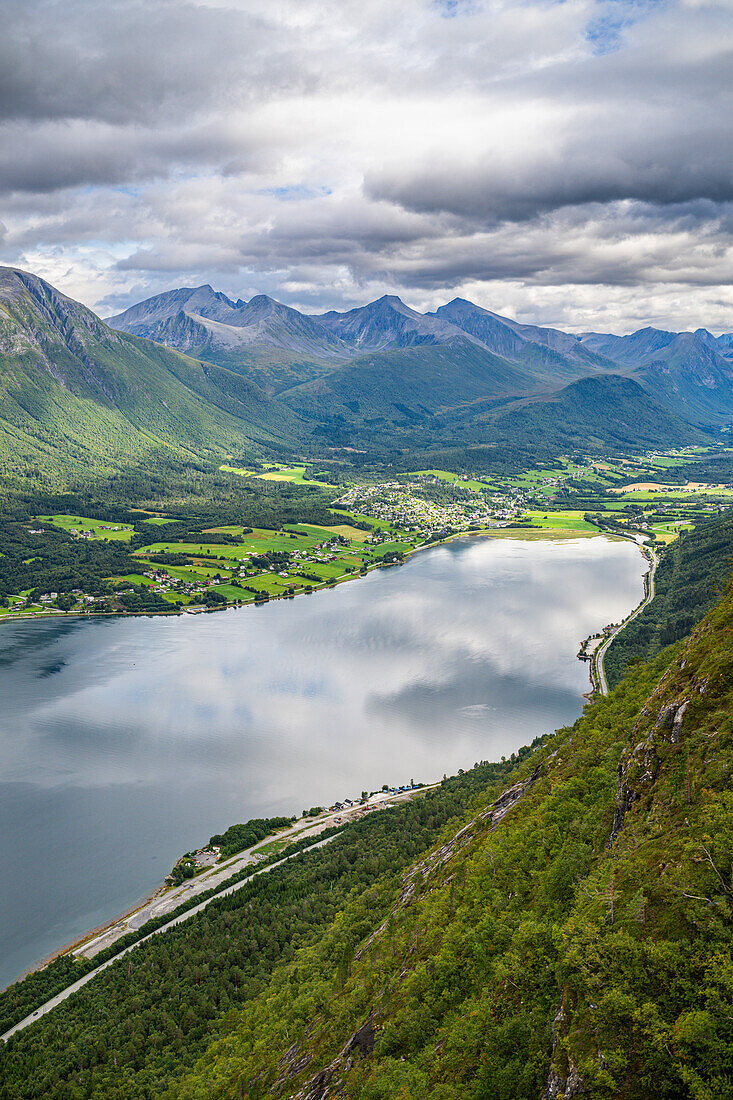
(388,547)
(76,524)
(227,550)
(532,533)
(272,584)
(188,573)
(232,592)
(375,524)
(566,521)
(446,475)
(230,530)
(322,533)
(668,532)
(294,474)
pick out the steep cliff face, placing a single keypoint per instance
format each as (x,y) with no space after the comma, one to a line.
(572,938)
(647,992)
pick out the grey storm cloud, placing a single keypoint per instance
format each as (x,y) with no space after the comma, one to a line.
(344,147)
(78,153)
(615,130)
(591,171)
(124,61)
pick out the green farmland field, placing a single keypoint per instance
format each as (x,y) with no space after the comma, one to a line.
(116,532)
(294,474)
(567,521)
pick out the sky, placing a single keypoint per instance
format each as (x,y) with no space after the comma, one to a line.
(567,163)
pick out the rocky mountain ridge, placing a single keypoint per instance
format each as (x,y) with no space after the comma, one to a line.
(79,395)
(280,348)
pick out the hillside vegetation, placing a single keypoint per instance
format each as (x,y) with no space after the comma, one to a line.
(82,403)
(570,929)
(143,1022)
(79,401)
(691,575)
(573,936)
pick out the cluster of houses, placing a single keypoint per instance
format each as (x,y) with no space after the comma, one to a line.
(93,533)
(164,582)
(47,598)
(322,553)
(386,792)
(394,503)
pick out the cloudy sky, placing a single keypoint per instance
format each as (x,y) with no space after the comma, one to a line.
(564,162)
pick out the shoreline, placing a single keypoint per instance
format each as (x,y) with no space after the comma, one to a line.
(69,948)
(310,828)
(159,892)
(597,672)
(520,533)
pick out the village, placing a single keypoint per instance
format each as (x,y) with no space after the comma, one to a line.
(374,524)
(394,502)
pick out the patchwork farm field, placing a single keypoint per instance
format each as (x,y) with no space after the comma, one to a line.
(151,561)
(93,528)
(295,474)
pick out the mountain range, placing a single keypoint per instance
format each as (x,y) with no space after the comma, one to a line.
(385,367)
(193,374)
(278,345)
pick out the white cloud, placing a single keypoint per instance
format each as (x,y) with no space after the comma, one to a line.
(566,162)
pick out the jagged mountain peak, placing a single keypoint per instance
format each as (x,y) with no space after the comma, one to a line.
(388,323)
(280,347)
(264,300)
(390,301)
(202,301)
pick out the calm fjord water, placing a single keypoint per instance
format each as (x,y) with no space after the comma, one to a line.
(125,742)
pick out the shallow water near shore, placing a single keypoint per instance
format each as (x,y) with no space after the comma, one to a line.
(125,742)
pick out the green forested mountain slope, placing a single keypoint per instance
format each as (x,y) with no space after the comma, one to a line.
(281,349)
(395,387)
(468,395)
(81,402)
(77,398)
(571,929)
(574,936)
(609,411)
(691,575)
(143,1022)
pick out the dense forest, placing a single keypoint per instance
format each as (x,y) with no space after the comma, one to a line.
(572,931)
(574,938)
(183,491)
(690,577)
(147,1017)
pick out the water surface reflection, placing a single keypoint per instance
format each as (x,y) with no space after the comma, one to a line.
(125,742)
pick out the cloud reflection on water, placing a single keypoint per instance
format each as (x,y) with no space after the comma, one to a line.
(154,733)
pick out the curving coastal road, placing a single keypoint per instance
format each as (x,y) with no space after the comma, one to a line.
(66,993)
(135,920)
(599,674)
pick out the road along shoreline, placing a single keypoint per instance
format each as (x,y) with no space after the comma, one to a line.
(597,671)
(338,819)
(81,982)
